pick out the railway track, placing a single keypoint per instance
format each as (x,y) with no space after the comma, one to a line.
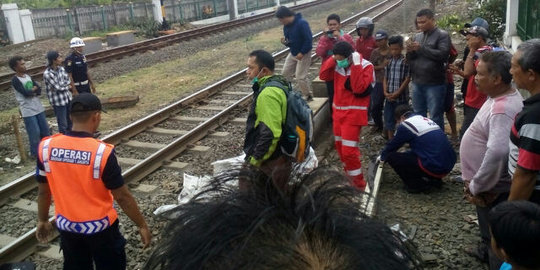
(156,43)
(231,95)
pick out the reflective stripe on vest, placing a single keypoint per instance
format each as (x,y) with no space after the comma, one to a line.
(45,155)
(88,227)
(97,161)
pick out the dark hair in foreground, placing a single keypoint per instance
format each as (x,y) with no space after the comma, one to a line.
(283,12)
(515,226)
(334,17)
(263,59)
(343,48)
(13,61)
(318,224)
(530,55)
(498,64)
(395,40)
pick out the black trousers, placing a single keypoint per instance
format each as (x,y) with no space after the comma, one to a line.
(376,104)
(83,88)
(483,223)
(469,113)
(406,166)
(104,249)
(330,91)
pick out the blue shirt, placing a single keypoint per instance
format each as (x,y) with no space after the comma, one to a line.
(112,173)
(298,35)
(427,141)
(506,266)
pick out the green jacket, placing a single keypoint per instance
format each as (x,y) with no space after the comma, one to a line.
(265,120)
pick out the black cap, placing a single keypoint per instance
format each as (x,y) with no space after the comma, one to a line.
(476,31)
(85,102)
(478,22)
(381,34)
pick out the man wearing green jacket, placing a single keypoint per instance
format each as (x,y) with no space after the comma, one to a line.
(266,118)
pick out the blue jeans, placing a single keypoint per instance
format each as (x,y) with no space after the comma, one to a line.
(427,97)
(36,128)
(62,117)
(389,119)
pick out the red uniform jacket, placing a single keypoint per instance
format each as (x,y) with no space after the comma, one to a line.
(361,74)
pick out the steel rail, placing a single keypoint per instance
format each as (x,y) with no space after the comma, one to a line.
(25,183)
(26,244)
(154,43)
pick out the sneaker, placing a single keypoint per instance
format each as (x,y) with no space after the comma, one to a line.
(371,122)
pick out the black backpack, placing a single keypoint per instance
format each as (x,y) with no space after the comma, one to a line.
(297,131)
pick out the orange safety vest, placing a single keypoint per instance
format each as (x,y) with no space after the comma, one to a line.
(73,167)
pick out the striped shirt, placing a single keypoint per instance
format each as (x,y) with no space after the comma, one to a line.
(396,72)
(57,84)
(525,139)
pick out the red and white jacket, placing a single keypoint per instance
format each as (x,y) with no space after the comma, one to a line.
(346,104)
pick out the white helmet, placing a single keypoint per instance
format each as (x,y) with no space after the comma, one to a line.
(76,42)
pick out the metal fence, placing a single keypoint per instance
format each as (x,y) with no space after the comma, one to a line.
(528,25)
(81,20)
(3,30)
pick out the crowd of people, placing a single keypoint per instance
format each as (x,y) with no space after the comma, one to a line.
(274,219)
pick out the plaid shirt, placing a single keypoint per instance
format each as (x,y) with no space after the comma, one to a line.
(57,85)
(396,72)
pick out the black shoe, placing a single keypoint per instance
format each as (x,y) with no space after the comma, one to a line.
(415,190)
(479,252)
(309,98)
(436,183)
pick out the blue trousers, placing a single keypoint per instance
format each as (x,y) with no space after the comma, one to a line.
(36,128)
(427,97)
(62,117)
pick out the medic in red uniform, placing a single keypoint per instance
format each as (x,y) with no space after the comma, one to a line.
(353,79)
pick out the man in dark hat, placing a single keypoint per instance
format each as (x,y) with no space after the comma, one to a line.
(83,176)
(477,42)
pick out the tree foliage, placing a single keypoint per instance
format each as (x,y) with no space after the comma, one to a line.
(38,4)
(493,11)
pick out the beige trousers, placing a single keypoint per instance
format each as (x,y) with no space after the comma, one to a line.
(300,69)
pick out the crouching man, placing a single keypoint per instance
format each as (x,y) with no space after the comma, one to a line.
(431,156)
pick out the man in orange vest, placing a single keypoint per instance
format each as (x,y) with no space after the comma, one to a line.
(83,176)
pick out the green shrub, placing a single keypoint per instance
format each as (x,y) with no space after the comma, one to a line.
(451,22)
(147,27)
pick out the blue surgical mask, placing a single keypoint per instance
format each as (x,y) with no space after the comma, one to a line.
(343,63)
